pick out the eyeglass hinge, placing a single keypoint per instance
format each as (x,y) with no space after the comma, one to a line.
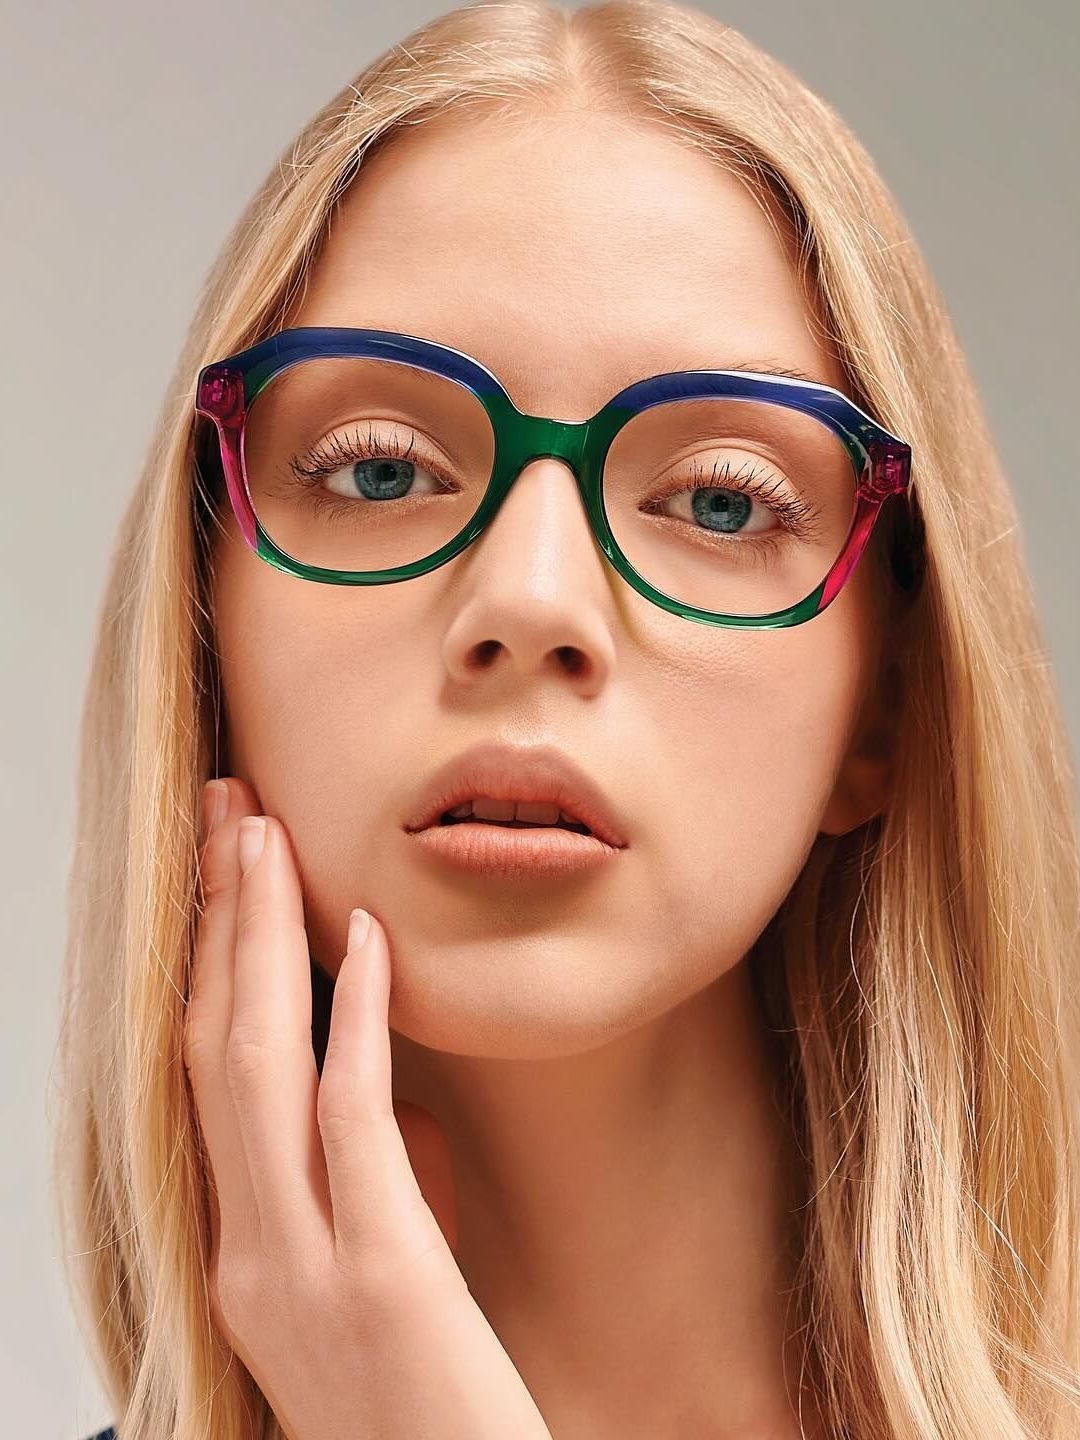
(221,393)
(888,469)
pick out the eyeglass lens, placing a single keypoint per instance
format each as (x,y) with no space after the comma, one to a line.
(734,505)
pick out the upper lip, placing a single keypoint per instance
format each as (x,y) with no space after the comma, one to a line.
(529,773)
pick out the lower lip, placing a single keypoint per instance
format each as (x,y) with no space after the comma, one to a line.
(497,849)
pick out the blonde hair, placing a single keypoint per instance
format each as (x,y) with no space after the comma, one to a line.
(917,976)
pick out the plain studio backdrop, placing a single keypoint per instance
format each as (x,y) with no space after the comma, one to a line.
(134,133)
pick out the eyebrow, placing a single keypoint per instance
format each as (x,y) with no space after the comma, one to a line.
(755,367)
(765,367)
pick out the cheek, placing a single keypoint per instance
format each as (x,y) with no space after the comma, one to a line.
(317,708)
(758,732)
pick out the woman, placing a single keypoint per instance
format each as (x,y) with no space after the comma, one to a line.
(751,1107)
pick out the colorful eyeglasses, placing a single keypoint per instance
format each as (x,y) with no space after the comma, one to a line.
(729,497)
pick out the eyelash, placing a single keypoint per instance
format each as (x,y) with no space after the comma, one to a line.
(336,454)
(795,514)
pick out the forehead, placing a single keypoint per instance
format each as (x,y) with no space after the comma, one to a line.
(571,253)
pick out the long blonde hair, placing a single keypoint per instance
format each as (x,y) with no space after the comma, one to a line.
(917,975)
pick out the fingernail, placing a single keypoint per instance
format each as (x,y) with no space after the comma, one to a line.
(213,807)
(359,925)
(252,838)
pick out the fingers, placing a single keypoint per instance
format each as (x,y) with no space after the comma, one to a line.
(209,1017)
(378,1208)
(270,1061)
(296,1161)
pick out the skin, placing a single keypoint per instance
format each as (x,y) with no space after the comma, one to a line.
(591,1048)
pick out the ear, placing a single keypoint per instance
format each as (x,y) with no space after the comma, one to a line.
(864,784)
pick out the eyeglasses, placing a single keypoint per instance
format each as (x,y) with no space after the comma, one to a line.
(729,497)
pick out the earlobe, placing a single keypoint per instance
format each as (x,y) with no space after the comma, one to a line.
(864,784)
(862,790)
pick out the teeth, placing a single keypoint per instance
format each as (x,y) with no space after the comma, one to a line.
(537,812)
(540,812)
(485,809)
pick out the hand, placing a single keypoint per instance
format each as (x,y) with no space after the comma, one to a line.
(330,1276)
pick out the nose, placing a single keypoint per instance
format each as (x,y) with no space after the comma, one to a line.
(536,592)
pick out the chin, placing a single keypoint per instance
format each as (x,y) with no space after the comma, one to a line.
(492,1005)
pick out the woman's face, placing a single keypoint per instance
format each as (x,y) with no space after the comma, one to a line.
(571,256)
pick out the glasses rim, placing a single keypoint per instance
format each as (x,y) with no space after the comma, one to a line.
(226,389)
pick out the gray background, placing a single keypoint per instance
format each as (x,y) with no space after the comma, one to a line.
(134,133)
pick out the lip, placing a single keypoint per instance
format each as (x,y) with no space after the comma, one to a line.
(527,773)
(491,850)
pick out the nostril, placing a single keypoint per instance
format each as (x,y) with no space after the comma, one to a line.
(572,658)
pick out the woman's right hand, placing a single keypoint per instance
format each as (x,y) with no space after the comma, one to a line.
(330,1276)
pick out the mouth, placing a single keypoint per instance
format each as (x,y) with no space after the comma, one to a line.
(493,787)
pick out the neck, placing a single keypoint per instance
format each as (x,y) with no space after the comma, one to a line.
(626,1218)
